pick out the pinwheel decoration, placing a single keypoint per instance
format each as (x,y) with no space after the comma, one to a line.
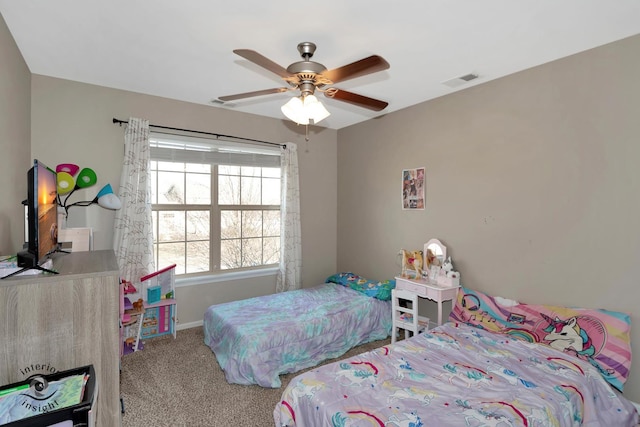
(67,185)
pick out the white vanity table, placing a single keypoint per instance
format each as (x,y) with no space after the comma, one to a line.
(430,291)
(426,288)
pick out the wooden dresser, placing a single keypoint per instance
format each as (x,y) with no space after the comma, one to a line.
(63,321)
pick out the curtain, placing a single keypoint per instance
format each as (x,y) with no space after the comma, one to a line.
(133,233)
(290,274)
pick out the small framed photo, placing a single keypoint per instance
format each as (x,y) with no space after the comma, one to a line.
(413,188)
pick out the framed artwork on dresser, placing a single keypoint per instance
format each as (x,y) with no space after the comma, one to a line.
(413,188)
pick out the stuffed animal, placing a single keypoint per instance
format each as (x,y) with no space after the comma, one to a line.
(411,264)
(138,305)
(447,266)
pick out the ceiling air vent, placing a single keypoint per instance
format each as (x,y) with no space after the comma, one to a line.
(459,81)
(220,102)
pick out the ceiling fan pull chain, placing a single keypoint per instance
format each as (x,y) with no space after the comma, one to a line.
(306,136)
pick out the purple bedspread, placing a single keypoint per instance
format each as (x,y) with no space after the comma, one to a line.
(455,375)
(257,339)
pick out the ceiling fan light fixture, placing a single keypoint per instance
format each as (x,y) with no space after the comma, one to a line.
(305,110)
(294,110)
(314,109)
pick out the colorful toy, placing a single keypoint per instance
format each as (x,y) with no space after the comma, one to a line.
(160,306)
(153,313)
(128,287)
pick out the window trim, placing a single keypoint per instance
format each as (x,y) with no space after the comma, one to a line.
(214,153)
(186,280)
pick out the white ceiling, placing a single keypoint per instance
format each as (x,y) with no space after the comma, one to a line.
(183,49)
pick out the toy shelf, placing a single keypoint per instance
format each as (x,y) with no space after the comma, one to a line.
(131,314)
(160,303)
(158,321)
(154,312)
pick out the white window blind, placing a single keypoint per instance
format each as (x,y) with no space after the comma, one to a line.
(213,152)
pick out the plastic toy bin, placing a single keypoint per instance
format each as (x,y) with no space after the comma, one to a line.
(81,414)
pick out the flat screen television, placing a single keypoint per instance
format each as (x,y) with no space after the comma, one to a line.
(42,218)
(42,204)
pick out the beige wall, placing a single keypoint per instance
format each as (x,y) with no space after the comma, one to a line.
(72,122)
(532,182)
(531,179)
(15,103)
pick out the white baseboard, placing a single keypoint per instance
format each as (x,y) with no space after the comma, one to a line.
(181,326)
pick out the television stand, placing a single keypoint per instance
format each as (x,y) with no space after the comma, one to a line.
(28,261)
(59,249)
(35,267)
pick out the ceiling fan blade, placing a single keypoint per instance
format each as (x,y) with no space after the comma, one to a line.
(254,93)
(355,99)
(371,64)
(263,61)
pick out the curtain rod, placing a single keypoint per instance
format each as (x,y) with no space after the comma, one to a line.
(217,135)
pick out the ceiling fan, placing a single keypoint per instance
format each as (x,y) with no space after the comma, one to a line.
(308,76)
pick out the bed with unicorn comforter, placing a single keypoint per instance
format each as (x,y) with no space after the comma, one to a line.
(491,365)
(257,339)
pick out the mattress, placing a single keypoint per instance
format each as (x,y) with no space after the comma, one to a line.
(455,375)
(257,339)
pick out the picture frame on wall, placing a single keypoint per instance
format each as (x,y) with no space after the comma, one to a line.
(413,189)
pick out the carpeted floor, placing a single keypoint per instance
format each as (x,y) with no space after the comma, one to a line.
(177,383)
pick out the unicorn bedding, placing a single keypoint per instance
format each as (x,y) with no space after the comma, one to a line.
(257,339)
(462,374)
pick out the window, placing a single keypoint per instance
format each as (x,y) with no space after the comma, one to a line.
(215,207)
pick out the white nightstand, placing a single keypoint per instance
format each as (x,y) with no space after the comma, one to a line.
(431,291)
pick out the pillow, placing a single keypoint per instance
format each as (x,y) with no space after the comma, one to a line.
(505,302)
(601,337)
(379,290)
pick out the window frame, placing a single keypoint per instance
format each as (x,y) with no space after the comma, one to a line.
(215,212)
